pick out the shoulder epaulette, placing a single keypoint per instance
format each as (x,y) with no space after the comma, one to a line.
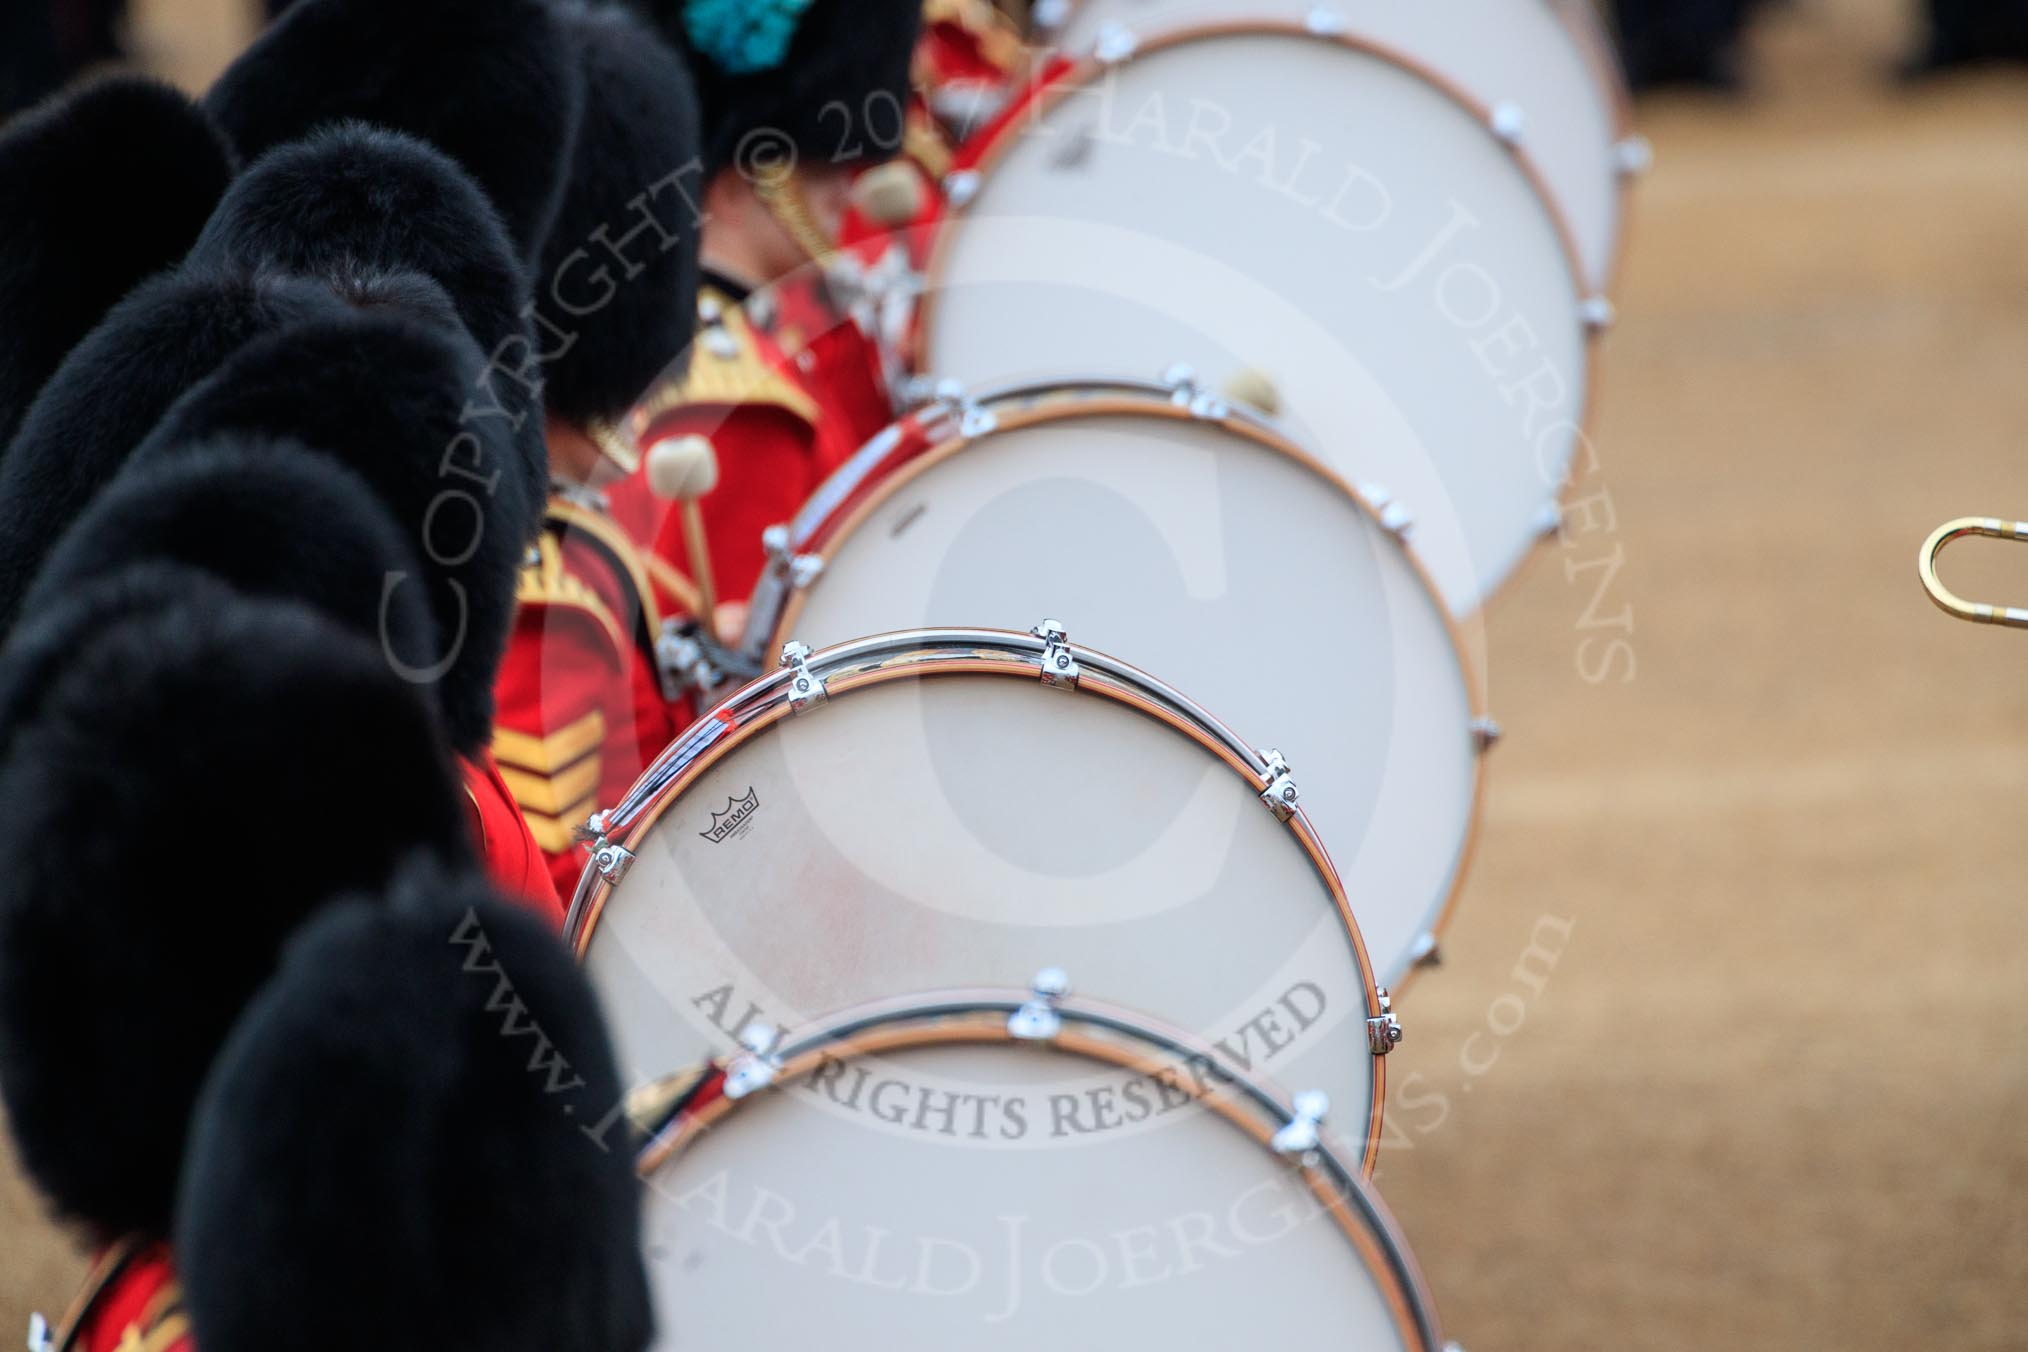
(629,562)
(998,42)
(728,369)
(546,582)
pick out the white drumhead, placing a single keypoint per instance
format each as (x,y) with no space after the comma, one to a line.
(1250,580)
(966,830)
(1353,231)
(1522,53)
(840,1213)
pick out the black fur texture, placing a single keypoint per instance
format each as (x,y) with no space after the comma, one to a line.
(489,82)
(853,54)
(273,520)
(399,1147)
(384,393)
(1968,32)
(182,791)
(99,189)
(114,386)
(352,200)
(620,272)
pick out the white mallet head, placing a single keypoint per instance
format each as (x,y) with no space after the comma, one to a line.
(682,469)
(890,194)
(1252,387)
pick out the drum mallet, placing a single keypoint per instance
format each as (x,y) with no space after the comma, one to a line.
(682,470)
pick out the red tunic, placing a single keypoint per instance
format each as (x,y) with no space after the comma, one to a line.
(747,397)
(129,1303)
(580,706)
(506,847)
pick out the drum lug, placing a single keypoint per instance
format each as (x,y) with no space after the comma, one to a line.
(1633,157)
(961,187)
(1326,22)
(1383,1031)
(1509,122)
(806,688)
(1300,1135)
(1395,518)
(1425,952)
(1598,314)
(1185,391)
(755,1066)
(1115,43)
(1060,670)
(1486,733)
(1281,794)
(612,861)
(798,570)
(1037,1019)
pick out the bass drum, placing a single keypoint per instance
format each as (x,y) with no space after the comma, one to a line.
(952,805)
(1541,57)
(1269,202)
(1205,546)
(988,1171)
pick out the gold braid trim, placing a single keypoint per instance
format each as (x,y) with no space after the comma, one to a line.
(547,583)
(727,369)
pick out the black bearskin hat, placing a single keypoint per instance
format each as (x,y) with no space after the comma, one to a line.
(777,73)
(352,200)
(489,82)
(620,272)
(384,391)
(410,1142)
(272,520)
(183,787)
(115,385)
(98,190)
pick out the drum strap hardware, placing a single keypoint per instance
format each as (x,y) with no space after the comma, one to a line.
(1060,670)
(756,1065)
(1383,1032)
(1038,1020)
(1300,1135)
(806,688)
(1281,794)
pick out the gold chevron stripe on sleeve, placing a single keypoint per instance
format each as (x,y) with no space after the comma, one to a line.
(554,835)
(554,794)
(558,750)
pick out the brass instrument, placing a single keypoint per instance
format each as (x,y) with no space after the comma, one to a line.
(1949,601)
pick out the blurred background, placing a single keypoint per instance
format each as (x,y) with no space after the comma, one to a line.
(1734,1049)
